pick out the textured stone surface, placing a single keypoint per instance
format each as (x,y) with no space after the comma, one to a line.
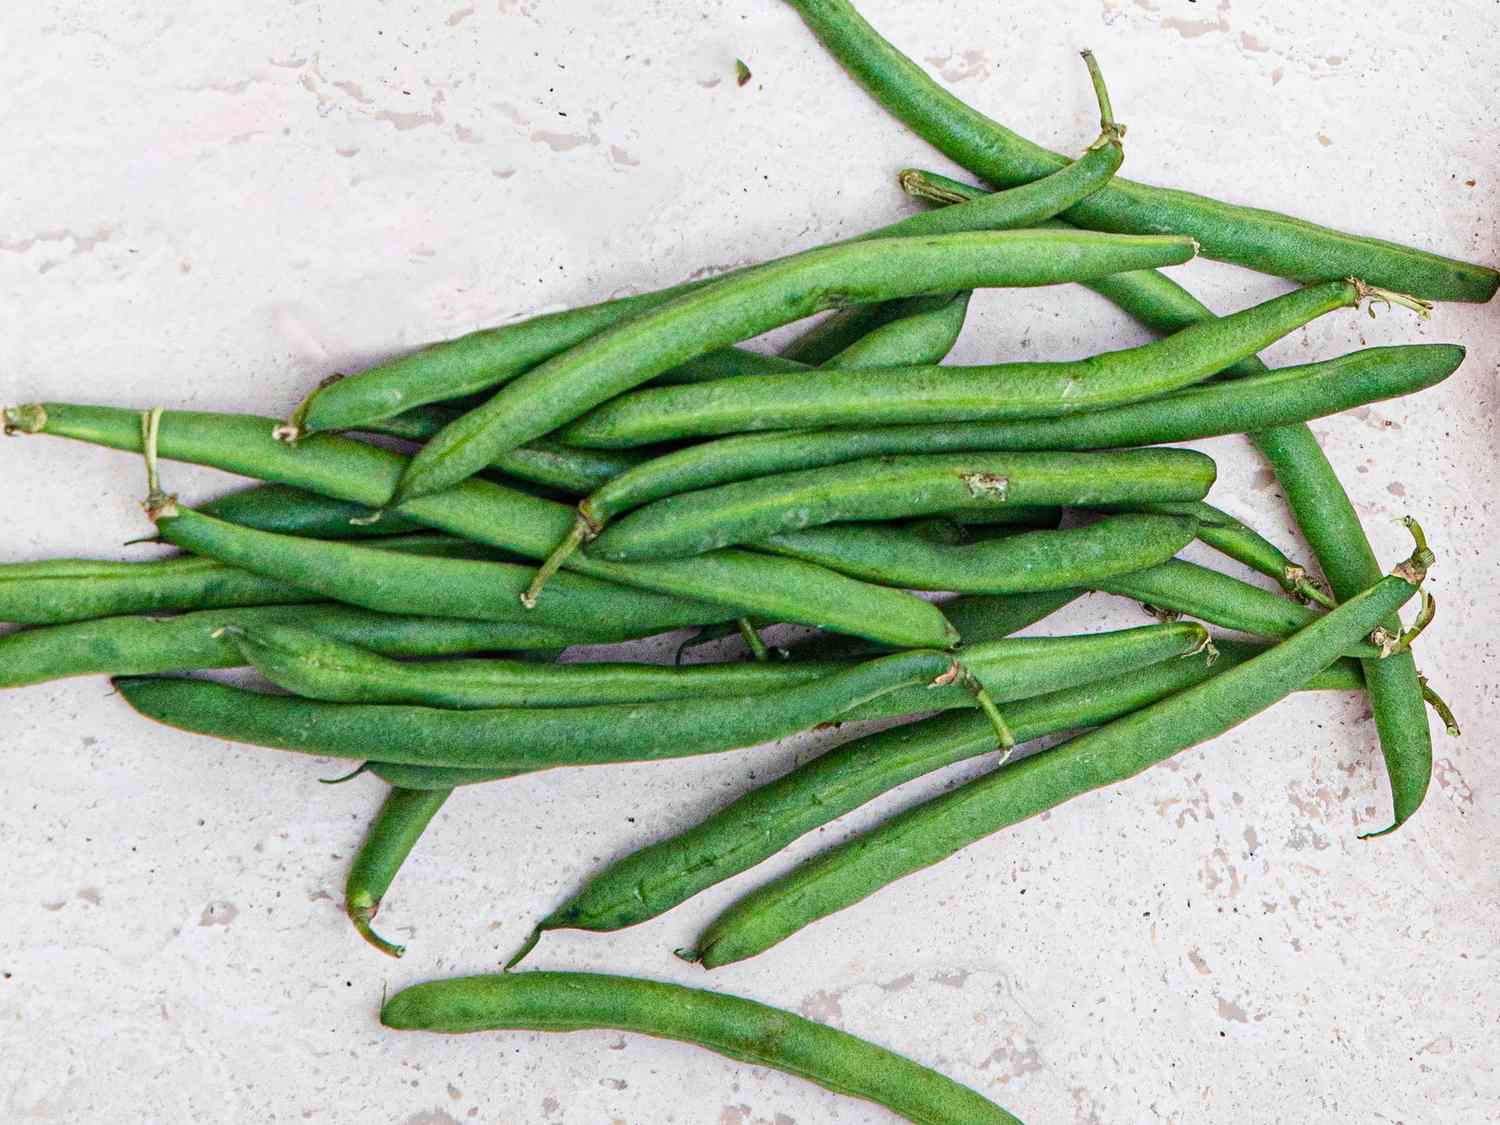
(214,206)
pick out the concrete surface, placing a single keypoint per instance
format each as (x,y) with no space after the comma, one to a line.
(213,206)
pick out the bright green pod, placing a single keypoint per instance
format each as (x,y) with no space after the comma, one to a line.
(894,488)
(395,831)
(727,1025)
(293,511)
(1002,392)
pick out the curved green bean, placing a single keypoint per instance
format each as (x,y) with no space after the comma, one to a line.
(627,355)
(1262,240)
(1018,563)
(395,831)
(894,487)
(435,587)
(494,356)
(654,879)
(58,591)
(914,395)
(293,511)
(727,1025)
(535,738)
(755,585)
(1292,394)
(932,831)
(142,646)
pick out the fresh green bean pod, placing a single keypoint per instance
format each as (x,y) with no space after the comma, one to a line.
(435,587)
(1019,563)
(57,591)
(143,646)
(1062,709)
(1262,240)
(627,355)
(1332,528)
(896,487)
(723,364)
(933,394)
(932,831)
(494,356)
(293,511)
(536,738)
(727,1025)
(1293,394)
(925,332)
(316,667)
(542,461)
(484,512)
(654,879)
(395,831)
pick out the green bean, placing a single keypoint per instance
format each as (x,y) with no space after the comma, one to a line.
(291,511)
(932,394)
(536,738)
(654,879)
(494,356)
(1262,240)
(1332,528)
(1184,587)
(1061,706)
(1028,562)
(758,585)
(578,471)
(57,591)
(742,1030)
(893,487)
(127,646)
(435,587)
(1239,541)
(721,365)
(1274,399)
(627,355)
(395,831)
(930,832)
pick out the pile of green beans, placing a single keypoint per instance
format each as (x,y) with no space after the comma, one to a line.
(636,467)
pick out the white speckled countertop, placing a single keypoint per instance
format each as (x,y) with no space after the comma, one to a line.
(213,206)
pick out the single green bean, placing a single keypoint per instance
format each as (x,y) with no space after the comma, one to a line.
(435,587)
(727,1025)
(721,365)
(292,511)
(757,585)
(1262,240)
(494,356)
(395,831)
(932,831)
(140,646)
(627,355)
(58,591)
(893,487)
(654,879)
(932,394)
(1277,398)
(1027,562)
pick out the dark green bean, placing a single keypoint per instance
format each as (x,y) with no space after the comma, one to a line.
(932,394)
(727,1025)
(1261,240)
(627,355)
(291,511)
(494,356)
(57,591)
(1027,562)
(395,831)
(752,511)
(435,587)
(652,880)
(139,646)
(932,831)
(753,584)
(534,738)
(1277,398)
(721,365)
